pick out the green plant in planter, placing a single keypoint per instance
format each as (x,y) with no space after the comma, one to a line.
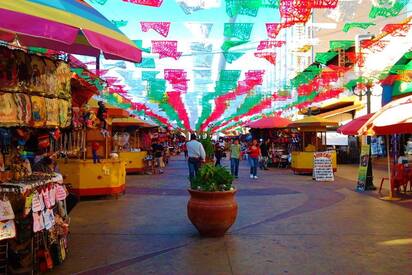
(212,179)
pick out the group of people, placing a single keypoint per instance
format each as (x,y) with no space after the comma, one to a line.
(257,155)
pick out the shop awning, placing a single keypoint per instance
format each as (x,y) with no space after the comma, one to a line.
(394,118)
(131,121)
(270,122)
(312,121)
(352,127)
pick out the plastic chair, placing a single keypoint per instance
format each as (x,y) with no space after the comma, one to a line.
(398,177)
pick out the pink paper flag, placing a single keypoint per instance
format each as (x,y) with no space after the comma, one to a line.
(161,28)
(269,44)
(166,48)
(152,3)
(273,29)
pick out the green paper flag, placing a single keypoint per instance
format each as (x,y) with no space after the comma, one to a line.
(156,89)
(241,31)
(387,8)
(232,56)
(361,25)
(323,58)
(229,75)
(341,44)
(147,62)
(77,71)
(230,44)
(149,75)
(120,23)
(139,44)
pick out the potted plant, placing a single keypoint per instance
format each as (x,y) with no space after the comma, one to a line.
(212,207)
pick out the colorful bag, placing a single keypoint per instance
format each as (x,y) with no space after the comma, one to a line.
(61,192)
(6,211)
(7,230)
(43,141)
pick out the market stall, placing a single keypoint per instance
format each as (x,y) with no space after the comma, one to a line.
(35,110)
(94,171)
(128,144)
(275,130)
(312,139)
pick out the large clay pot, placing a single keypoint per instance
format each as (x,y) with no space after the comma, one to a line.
(212,213)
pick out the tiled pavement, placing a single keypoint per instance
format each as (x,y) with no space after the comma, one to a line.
(286,224)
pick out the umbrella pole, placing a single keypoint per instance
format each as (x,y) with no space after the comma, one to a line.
(390,197)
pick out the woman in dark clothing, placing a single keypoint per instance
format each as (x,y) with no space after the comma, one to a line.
(218,154)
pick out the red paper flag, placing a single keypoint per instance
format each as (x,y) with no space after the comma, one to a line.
(273,29)
(271,57)
(269,44)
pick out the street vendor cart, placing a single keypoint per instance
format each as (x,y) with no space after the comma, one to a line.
(312,131)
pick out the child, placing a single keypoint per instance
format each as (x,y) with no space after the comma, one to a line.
(95,148)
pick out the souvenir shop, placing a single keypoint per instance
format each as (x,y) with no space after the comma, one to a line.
(35,110)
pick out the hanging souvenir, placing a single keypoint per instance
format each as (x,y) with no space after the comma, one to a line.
(7,230)
(38,222)
(38,111)
(8,70)
(23,104)
(52,195)
(8,110)
(52,112)
(48,218)
(37,75)
(46,197)
(28,204)
(37,202)
(6,211)
(61,193)
(64,113)
(63,76)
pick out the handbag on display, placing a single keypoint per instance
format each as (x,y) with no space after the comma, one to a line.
(7,230)
(6,210)
(45,259)
(43,141)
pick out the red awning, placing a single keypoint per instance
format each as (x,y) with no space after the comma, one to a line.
(269,122)
(352,128)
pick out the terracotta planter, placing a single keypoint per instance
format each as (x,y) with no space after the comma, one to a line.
(212,213)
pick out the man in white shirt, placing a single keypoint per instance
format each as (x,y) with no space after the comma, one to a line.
(196,154)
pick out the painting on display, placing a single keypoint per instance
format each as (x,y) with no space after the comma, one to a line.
(23,104)
(38,106)
(52,112)
(8,110)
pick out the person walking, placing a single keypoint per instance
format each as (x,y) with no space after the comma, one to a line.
(253,157)
(218,153)
(264,149)
(196,154)
(234,158)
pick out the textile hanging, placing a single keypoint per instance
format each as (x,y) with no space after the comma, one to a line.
(271,57)
(270,44)
(52,112)
(149,75)
(120,23)
(139,44)
(241,31)
(228,44)
(171,113)
(38,111)
(8,110)
(199,30)
(147,62)
(273,29)
(232,56)
(360,25)
(152,3)
(23,105)
(166,48)
(161,28)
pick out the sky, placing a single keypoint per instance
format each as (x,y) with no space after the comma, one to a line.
(170,11)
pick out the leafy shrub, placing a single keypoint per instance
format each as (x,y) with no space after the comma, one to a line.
(212,179)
